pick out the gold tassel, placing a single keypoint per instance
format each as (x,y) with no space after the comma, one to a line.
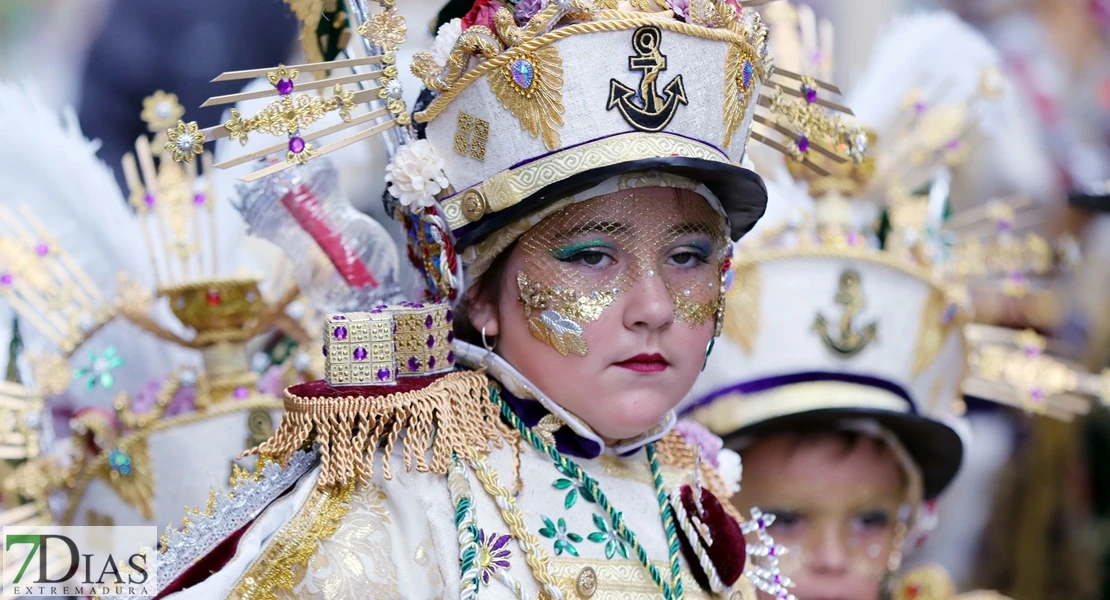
(448,417)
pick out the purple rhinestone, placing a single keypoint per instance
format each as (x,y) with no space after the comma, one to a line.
(428,322)
(810,93)
(376,311)
(6,279)
(296,144)
(413,363)
(949,314)
(761,523)
(919,107)
(1017,277)
(360,353)
(778,580)
(450,336)
(803,144)
(431,342)
(1037,394)
(853,238)
(199,199)
(149,199)
(383,374)
(418,305)
(241,393)
(431,362)
(340,333)
(451,357)
(285,87)
(1004,225)
(953,144)
(1032,352)
(771,551)
(524,74)
(338,318)
(449,316)
(42,249)
(747,72)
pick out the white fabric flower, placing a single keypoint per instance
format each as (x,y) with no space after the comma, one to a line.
(446,37)
(415,176)
(730,468)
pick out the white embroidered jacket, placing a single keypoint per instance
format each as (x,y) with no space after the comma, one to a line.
(398,538)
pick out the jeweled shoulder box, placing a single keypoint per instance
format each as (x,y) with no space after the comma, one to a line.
(376,347)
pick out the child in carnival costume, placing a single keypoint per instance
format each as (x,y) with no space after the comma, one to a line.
(845,354)
(571,193)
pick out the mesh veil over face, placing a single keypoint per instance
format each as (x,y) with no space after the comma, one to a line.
(578,261)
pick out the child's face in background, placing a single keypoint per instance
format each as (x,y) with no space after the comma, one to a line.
(836,498)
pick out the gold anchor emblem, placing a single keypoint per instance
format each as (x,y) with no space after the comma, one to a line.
(657,110)
(850,342)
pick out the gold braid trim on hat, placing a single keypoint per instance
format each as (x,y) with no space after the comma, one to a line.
(449,90)
(349,431)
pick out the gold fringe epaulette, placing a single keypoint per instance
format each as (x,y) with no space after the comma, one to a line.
(675,451)
(448,417)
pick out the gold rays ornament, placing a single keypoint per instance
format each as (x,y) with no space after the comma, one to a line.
(530,87)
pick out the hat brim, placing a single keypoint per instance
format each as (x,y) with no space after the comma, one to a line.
(937,449)
(742,193)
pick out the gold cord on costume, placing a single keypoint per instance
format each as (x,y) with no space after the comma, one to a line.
(349,430)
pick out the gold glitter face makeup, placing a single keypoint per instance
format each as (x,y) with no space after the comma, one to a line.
(579,261)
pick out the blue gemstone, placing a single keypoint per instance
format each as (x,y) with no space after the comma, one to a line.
(524,74)
(747,71)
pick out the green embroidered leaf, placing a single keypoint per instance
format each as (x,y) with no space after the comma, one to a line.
(571,497)
(562,484)
(587,496)
(547,523)
(562,524)
(600,523)
(571,550)
(610,550)
(597,537)
(559,546)
(574,537)
(623,549)
(547,533)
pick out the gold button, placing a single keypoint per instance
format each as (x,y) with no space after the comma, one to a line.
(586,584)
(473,205)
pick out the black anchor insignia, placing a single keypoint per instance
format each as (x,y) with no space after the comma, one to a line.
(849,342)
(657,110)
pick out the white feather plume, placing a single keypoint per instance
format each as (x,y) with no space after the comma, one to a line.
(46,164)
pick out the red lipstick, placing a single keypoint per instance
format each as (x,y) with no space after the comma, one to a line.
(645,363)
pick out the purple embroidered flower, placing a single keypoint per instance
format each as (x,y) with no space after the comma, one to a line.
(699,436)
(681,8)
(492,554)
(526,9)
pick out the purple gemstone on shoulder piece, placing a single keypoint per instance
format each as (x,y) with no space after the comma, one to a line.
(429,321)
(6,279)
(339,318)
(431,362)
(450,316)
(148,199)
(360,353)
(296,144)
(451,357)
(42,249)
(450,336)
(199,199)
(523,72)
(383,374)
(241,393)
(811,94)
(413,363)
(803,144)
(325,350)
(340,333)
(285,87)
(431,342)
